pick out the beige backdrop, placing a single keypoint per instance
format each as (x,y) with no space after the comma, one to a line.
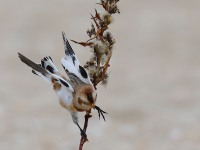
(153,95)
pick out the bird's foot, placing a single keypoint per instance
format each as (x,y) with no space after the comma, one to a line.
(84,135)
(100,112)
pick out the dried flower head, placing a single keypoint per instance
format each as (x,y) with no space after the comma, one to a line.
(112,8)
(101,46)
(106,19)
(103,58)
(101,41)
(109,38)
(91,31)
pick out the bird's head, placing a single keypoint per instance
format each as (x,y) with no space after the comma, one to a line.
(85,98)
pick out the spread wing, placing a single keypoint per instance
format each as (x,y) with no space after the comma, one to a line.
(71,63)
(56,80)
(61,86)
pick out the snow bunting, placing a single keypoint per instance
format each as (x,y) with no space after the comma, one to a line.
(76,93)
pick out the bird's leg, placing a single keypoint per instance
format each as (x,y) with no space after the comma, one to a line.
(83,134)
(100,112)
(75,120)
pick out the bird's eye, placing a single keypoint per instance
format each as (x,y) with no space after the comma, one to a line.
(89,97)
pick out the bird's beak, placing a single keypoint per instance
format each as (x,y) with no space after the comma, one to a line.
(92,105)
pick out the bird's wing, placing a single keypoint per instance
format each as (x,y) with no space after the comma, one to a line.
(71,63)
(47,75)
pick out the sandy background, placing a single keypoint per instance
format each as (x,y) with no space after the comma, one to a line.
(153,95)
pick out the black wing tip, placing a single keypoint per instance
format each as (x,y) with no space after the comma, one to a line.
(68,48)
(31,64)
(64,37)
(19,55)
(22,57)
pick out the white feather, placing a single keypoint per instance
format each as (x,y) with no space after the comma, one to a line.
(68,64)
(49,62)
(65,95)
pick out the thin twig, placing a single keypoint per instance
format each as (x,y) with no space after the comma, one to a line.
(83,140)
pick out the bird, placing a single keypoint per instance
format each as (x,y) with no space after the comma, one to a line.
(75,91)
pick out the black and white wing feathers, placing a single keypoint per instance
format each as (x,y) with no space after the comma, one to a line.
(47,75)
(71,63)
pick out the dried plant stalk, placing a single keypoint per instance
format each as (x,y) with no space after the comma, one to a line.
(83,140)
(101,43)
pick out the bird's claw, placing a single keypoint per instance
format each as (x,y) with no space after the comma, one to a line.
(100,112)
(84,135)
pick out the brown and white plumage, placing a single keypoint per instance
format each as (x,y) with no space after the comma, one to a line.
(75,92)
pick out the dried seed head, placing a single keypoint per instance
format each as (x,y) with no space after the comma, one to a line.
(103,59)
(101,46)
(112,7)
(106,19)
(91,62)
(101,42)
(92,70)
(91,31)
(108,36)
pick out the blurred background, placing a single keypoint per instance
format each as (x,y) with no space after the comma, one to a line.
(152,97)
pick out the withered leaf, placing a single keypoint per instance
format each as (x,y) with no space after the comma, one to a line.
(97,15)
(83,43)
